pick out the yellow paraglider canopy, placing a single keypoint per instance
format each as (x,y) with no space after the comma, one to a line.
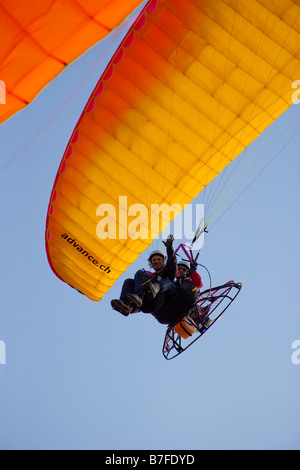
(192,84)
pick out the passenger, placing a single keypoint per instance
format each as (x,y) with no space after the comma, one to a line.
(179,303)
(140,293)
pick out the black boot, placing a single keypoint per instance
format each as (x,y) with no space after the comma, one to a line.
(122,307)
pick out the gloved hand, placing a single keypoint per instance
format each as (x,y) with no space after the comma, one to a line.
(193,266)
(169,242)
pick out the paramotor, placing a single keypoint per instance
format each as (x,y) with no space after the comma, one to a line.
(210,306)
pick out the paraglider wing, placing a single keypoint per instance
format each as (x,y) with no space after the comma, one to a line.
(191,85)
(38,39)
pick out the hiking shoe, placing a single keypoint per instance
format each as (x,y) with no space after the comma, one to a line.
(121,307)
(135,299)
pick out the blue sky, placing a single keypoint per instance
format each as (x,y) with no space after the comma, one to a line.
(80,376)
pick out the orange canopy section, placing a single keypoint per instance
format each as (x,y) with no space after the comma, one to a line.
(192,84)
(39,38)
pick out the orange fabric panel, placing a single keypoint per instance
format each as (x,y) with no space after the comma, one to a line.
(39,38)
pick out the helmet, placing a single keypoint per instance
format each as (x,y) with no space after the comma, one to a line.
(184,263)
(156,252)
